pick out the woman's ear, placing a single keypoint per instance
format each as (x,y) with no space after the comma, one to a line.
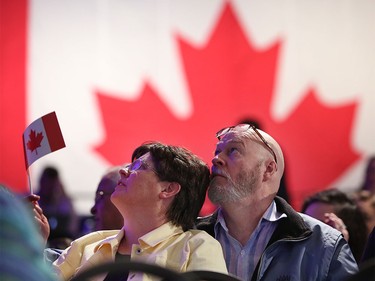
(170,189)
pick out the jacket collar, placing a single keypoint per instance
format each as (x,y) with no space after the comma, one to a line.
(290,227)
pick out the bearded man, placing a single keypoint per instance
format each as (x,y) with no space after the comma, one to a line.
(262,237)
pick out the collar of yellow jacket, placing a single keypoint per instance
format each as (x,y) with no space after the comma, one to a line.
(150,239)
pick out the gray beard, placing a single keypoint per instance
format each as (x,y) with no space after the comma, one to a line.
(234,190)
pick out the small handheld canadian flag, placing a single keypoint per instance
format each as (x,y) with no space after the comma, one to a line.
(41,137)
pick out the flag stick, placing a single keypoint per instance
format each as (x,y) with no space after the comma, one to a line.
(28,177)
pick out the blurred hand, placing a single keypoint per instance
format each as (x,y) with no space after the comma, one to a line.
(40,218)
(334,221)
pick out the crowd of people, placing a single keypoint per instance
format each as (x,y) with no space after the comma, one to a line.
(148,210)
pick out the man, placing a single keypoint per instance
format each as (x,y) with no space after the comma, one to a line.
(262,237)
(158,196)
(106,215)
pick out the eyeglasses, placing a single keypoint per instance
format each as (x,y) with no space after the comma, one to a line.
(139,164)
(246,127)
(136,165)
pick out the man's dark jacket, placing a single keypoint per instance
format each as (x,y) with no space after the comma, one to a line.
(301,248)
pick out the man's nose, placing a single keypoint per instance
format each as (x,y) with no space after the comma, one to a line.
(93,210)
(217,161)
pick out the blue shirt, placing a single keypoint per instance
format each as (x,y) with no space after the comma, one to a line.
(242,260)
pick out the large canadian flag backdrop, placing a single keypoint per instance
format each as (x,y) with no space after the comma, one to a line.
(119,73)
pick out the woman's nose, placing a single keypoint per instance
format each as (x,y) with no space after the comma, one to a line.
(124,172)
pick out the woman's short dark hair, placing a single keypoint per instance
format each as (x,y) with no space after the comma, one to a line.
(177,164)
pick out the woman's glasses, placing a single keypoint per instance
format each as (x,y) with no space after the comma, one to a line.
(139,164)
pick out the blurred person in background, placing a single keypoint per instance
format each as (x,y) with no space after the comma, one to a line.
(369,251)
(57,207)
(365,201)
(106,215)
(336,209)
(365,195)
(369,176)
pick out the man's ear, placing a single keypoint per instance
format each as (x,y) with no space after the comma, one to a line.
(270,170)
(170,189)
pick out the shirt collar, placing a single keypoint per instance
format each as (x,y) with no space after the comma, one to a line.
(111,241)
(150,239)
(159,234)
(271,214)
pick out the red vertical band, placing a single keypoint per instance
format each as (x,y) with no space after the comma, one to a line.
(13,34)
(53,132)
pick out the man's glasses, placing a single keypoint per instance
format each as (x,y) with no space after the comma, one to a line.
(246,127)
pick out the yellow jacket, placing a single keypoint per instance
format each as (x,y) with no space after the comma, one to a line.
(167,246)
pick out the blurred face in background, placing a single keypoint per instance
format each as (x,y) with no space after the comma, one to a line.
(365,201)
(105,214)
(318,209)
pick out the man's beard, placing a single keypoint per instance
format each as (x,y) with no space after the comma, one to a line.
(233,190)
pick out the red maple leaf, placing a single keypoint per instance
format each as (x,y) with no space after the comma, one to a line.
(229,80)
(34,141)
